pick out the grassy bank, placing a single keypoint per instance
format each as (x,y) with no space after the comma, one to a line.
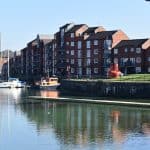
(126,78)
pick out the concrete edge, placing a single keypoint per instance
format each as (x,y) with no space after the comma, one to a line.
(74,100)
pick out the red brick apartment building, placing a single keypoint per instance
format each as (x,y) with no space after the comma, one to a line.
(83,51)
(35,57)
(133,56)
(77,50)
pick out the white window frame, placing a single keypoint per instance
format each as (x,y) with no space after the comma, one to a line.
(79,62)
(79,53)
(72,52)
(88,44)
(88,62)
(138,60)
(72,61)
(95,42)
(79,44)
(132,49)
(115,51)
(72,70)
(138,69)
(96,70)
(72,43)
(72,35)
(138,50)
(126,50)
(95,60)
(95,51)
(67,52)
(88,53)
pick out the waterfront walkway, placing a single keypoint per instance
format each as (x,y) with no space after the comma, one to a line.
(80,100)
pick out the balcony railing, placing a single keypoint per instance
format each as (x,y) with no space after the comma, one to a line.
(127,64)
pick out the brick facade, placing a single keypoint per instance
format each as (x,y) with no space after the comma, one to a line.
(81,51)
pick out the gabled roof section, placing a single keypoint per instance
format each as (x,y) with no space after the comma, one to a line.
(33,42)
(101,35)
(45,36)
(75,28)
(134,43)
(92,30)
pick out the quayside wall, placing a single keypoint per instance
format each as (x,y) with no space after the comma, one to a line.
(106,88)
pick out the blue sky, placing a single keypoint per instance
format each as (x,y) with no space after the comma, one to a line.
(22,20)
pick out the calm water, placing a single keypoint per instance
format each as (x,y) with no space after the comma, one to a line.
(34,125)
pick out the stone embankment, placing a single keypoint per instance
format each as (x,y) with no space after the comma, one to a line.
(106,88)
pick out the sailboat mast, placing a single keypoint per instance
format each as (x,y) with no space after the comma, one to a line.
(8,65)
(0,47)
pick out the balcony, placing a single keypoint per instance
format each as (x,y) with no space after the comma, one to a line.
(127,64)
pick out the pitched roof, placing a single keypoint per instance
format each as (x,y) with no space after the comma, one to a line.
(101,35)
(92,29)
(75,28)
(134,43)
(45,36)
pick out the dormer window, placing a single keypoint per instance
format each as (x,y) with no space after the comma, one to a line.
(72,35)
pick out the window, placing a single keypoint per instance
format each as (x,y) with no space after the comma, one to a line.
(116,60)
(148,58)
(72,43)
(67,60)
(88,71)
(95,60)
(132,60)
(148,69)
(88,62)
(67,43)
(138,60)
(79,54)
(72,70)
(115,51)
(88,44)
(79,44)
(138,50)
(72,35)
(95,51)
(80,71)
(88,53)
(72,52)
(72,61)
(138,69)
(107,44)
(126,50)
(132,49)
(95,42)
(79,62)
(67,51)
(95,70)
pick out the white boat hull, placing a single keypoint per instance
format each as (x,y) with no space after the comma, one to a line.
(49,87)
(11,85)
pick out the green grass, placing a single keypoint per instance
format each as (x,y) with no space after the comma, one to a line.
(133,77)
(126,78)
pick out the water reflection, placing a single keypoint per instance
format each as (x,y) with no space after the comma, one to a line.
(86,125)
(48,125)
(53,94)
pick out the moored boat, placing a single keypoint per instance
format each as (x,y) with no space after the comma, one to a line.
(50,83)
(12,83)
